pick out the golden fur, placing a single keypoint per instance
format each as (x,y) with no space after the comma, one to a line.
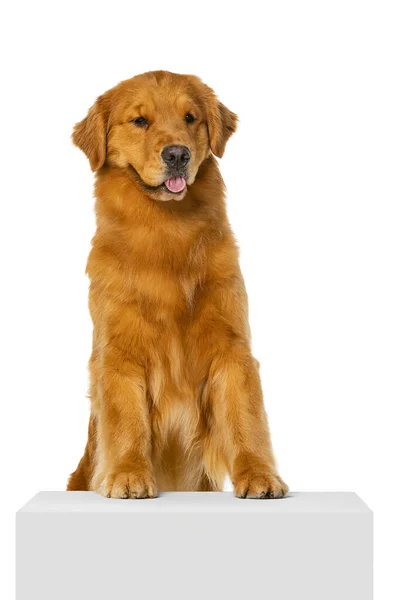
(176,400)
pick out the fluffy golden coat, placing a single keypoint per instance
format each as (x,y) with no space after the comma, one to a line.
(176,400)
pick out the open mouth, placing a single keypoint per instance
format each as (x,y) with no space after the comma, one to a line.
(175,185)
(172,185)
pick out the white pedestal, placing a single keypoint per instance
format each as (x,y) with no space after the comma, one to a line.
(191,546)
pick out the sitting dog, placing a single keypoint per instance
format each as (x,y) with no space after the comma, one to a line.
(176,400)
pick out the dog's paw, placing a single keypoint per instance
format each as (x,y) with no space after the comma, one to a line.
(128,485)
(255,485)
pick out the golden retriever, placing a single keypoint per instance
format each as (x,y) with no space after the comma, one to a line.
(176,400)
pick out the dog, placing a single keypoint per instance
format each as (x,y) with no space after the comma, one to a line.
(176,399)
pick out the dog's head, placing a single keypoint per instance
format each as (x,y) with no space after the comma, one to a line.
(160,126)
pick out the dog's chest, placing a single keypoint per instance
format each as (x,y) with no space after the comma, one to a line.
(168,278)
(167,294)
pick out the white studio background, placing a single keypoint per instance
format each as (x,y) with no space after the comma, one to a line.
(313,197)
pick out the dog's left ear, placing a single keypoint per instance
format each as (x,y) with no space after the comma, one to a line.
(222,122)
(90,135)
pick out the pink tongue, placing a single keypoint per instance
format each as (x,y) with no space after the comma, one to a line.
(175,184)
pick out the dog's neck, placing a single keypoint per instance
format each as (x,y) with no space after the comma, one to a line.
(138,228)
(120,200)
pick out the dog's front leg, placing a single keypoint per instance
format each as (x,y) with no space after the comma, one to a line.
(240,424)
(124,433)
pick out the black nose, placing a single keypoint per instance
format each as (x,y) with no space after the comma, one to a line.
(176,156)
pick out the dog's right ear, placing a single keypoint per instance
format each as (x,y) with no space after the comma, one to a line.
(90,135)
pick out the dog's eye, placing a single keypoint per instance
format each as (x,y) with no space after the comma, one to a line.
(140,122)
(189,118)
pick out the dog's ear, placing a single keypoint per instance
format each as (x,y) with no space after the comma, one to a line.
(90,135)
(222,122)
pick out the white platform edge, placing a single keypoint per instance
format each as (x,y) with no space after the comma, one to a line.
(196,502)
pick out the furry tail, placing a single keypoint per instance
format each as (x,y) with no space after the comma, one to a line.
(80,479)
